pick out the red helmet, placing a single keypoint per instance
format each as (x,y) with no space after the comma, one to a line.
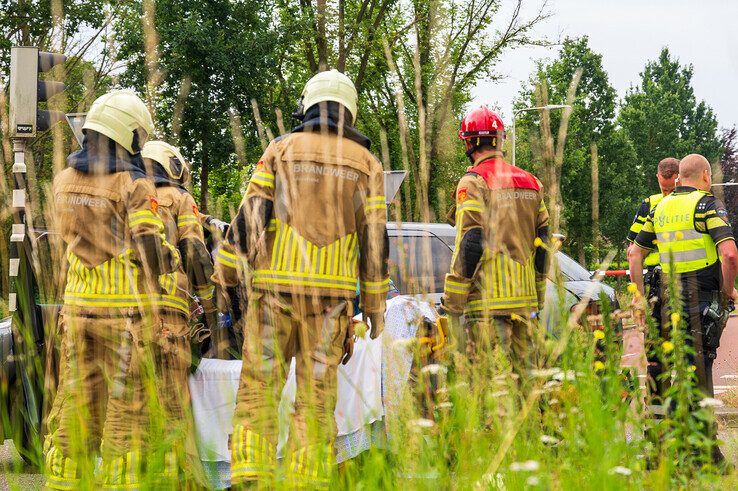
(481,123)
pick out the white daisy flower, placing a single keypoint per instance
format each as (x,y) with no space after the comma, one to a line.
(434,369)
(533,481)
(549,440)
(619,469)
(711,402)
(527,466)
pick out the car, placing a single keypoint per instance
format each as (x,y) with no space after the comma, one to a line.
(420,256)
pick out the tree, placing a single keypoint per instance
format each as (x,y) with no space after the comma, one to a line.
(591,122)
(729,168)
(200,65)
(664,119)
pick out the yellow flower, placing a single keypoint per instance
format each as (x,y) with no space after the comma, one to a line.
(678,235)
(668,346)
(675,318)
(538,242)
(599,334)
(632,288)
(692,368)
(599,366)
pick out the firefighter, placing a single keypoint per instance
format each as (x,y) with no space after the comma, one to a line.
(497,278)
(169,171)
(106,213)
(668,170)
(691,232)
(312,223)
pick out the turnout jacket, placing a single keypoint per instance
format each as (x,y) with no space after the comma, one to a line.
(182,227)
(106,212)
(496,267)
(313,219)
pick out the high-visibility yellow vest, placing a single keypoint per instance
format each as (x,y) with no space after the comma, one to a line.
(682,249)
(653,258)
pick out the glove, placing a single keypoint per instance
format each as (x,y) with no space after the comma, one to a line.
(219,225)
(348,343)
(377,325)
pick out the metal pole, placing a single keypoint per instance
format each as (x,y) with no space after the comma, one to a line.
(18,231)
(513,138)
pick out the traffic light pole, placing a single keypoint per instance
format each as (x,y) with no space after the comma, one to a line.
(18,231)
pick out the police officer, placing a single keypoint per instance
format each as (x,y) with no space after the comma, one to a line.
(497,278)
(106,213)
(312,223)
(690,230)
(169,171)
(668,170)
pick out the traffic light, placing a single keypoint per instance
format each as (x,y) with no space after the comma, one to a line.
(26,90)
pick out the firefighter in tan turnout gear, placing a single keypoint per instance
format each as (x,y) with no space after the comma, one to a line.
(169,171)
(312,224)
(106,213)
(497,277)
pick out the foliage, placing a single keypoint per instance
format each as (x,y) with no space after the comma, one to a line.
(663,118)
(729,169)
(192,82)
(592,121)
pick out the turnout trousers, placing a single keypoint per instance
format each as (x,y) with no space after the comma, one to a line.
(101,406)
(278,328)
(181,462)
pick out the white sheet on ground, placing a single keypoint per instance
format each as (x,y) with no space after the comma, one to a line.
(214,385)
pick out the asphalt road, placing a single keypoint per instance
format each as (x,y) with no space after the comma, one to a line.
(724,371)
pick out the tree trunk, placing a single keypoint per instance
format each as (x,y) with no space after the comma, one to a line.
(595,201)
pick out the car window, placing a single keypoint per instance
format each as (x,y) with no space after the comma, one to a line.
(418,264)
(572,270)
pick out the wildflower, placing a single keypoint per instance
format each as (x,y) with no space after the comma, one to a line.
(549,440)
(667,346)
(619,469)
(551,384)
(599,366)
(675,318)
(632,288)
(434,369)
(533,481)
(527,466)
(421,423)
(599,334)
(692,368)
(561,375)
(538,242)
(711,402)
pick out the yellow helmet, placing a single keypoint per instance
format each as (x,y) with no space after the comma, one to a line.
(118,115)
(331,85)
(168,156)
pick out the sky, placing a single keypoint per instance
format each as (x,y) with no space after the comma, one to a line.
(628,33)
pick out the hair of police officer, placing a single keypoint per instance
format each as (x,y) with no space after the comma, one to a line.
(668,167)
(692,166)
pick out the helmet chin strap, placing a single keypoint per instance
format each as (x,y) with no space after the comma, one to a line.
(469,153)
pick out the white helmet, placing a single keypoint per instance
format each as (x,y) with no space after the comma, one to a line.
(118,115)
(331,85)
(168,156)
